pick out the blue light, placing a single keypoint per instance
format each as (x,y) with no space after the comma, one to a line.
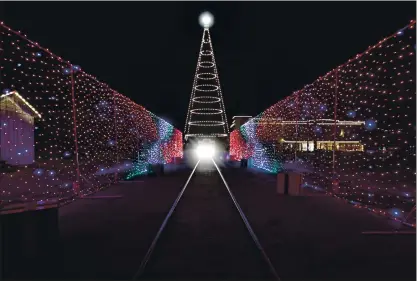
(351,114)
(19,65)
(67,71)
(67,154)
(370,124)
(51,173)
(396,212)
(111,142)
(102,104)
(76,68)
(38,54)
(19,153)
(4,124)
(38,172)
(323,107)
(65,185)
(318,130)
(6,91)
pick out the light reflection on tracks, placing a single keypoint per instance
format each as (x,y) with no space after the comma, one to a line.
(255,239)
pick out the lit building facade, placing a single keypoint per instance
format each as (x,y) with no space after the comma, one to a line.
(238,121)
(311,135)
(17,119)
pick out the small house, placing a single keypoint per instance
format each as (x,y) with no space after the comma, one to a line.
(17,119)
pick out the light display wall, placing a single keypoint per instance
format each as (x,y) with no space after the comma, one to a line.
(237,145)
(64,133)
(358,123)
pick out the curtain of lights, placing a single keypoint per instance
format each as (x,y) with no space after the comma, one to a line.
(351,132)
(65,134)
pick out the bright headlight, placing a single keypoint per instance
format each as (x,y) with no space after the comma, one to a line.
(205,151)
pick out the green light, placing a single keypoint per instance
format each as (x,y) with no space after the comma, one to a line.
(140,168)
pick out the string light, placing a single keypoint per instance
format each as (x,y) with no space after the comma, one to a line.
(367,160)
(209,119)
(206,76)
(65,132)
(206,99)
(206,111)
(208,136)
(211,88)
(206,64)
(206,123)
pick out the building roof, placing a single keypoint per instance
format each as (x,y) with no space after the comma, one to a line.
(241,117)
(16,94)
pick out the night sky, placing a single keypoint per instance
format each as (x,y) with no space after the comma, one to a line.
(148,50)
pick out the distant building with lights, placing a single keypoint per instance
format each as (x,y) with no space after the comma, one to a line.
(324,145)
(302,135)
(239,121)
(17,118)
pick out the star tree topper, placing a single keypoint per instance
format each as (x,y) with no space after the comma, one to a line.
(206,19)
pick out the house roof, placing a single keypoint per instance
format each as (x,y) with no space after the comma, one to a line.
(16,94)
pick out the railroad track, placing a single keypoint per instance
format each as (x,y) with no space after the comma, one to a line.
(206,234)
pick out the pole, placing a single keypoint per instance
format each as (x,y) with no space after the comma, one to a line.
(76,186)
(296,126)
(138,148)
(409,214)
(334,127)
(115,138)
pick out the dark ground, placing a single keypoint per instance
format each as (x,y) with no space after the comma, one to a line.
(306,238)
(206,237)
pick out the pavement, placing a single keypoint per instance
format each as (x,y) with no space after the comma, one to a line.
(320,237)
(206,237)
(107,237)
(306,237)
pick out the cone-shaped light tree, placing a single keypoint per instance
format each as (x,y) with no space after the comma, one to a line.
(206,116)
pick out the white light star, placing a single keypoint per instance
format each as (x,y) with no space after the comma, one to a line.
(206,20)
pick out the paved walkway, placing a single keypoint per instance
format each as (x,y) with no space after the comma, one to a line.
(308,238)
(319,237)
(107,238)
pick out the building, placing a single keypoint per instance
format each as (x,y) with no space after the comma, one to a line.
(311,135)
(17,118)
(344,145)
(239,121)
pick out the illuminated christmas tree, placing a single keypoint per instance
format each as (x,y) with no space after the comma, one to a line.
(206,116)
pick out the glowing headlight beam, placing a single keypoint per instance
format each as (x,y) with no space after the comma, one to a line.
(205,151)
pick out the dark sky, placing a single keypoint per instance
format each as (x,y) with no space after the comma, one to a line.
(264,50)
